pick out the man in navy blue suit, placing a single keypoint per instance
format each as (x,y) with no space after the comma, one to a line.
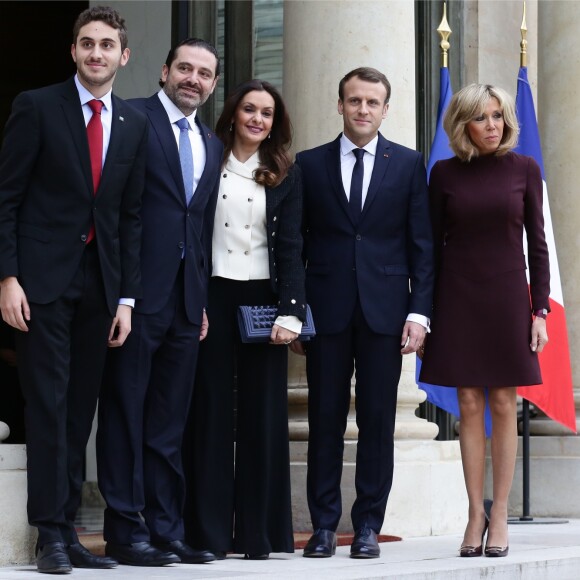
(369,281)
(148,383)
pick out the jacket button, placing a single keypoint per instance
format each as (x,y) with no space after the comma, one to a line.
(225,175)
(246,253)
(273,234)
(275,218)
(227,225)
(358,237)
(83,238)
(224,196)
(230,251)
(247,227)
(250,199)
(181,245)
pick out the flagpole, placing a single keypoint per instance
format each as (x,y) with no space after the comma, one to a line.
(526,518)
(444,32)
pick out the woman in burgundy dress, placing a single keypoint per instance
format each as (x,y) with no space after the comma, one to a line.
(488,326)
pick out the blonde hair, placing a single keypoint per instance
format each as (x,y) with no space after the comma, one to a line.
(470,102)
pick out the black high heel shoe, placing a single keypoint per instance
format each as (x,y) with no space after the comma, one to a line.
(475,551)
(256,556)
(496,551)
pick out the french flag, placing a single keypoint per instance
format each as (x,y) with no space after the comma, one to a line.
(555,397)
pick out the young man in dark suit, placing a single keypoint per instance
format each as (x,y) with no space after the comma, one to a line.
(148,383)
(71,176)
(369,279)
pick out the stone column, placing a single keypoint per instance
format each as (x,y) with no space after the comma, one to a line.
(16,536)
(559,69)
(322,42)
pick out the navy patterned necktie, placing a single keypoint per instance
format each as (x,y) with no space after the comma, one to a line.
(356,184)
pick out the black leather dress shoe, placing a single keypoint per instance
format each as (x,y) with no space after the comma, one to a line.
(256,556)
(365,544)
(53,559)
(219,554)
(140,554)
(80,557)
(186,554)
(322,544)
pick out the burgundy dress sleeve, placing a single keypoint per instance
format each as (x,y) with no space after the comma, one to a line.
(538,259)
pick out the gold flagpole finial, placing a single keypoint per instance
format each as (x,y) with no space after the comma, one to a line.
(524,42)
(444,32)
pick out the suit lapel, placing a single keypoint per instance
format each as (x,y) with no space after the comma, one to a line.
(117,131)
(204,181)
(73,114)
(382,160)
(335,175)
(162,127)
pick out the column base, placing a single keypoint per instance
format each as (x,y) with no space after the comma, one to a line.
(17,538)
(427,498)
(554,478)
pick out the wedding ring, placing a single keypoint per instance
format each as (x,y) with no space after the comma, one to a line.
(287,341)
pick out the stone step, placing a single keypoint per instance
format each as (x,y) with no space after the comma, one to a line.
(537,552)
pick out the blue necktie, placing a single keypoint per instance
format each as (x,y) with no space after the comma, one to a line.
(356,184)
(186,158)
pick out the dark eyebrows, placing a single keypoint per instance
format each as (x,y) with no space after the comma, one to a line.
(89,39)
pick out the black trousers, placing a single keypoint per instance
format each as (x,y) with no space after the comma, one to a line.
(60,361)
(143,410)
(239,503)
(331,360)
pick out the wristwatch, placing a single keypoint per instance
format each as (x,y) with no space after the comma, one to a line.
(541,313)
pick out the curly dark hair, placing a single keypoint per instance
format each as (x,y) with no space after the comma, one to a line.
(274,152)
(104,14)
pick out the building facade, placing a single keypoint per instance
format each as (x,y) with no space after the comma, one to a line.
(304,47)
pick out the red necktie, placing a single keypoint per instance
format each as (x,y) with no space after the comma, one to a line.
(95,137)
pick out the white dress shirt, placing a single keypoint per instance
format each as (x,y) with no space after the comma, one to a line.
(347,161)
(106,112)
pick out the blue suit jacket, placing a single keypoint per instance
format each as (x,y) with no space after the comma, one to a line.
(170,226)
(386,259)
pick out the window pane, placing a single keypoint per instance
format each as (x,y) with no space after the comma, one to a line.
(268,44)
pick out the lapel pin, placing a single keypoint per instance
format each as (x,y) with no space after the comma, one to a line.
(386,155)
(121,119)
(209,135)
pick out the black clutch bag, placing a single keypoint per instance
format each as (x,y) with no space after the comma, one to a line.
(256,323)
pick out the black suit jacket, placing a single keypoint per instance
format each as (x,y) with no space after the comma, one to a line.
(47,203)
(170,226)
(283,219)
(386,259)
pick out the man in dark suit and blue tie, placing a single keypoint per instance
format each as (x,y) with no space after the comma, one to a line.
(369,280)
(72,168)
(148,383)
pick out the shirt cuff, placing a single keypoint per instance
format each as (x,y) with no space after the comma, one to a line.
(127,302)
(291,323)
(420,319)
